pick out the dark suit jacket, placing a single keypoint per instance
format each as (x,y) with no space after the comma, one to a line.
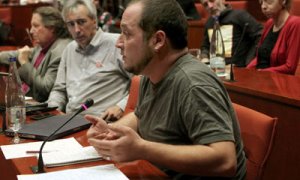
(40,80)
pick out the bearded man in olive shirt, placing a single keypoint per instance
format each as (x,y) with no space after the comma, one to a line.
(184,122)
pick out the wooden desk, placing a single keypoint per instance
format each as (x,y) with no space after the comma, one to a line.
(134,170)
(277,95)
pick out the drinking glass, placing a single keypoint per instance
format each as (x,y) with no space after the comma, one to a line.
(15,119)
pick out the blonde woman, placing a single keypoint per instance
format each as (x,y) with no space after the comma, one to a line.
(278,49)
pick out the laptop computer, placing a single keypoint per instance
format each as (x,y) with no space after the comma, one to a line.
(40,130)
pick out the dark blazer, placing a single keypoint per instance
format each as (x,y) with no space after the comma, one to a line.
(40,80)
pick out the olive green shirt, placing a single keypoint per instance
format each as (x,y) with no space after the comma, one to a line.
(189,106)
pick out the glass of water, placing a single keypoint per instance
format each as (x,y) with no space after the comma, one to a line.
(15,119)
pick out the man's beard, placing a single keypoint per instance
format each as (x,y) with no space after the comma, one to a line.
(138,68)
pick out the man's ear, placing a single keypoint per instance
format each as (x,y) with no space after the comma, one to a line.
(159,40)
(95,23)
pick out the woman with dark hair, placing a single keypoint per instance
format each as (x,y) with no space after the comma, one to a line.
(38,65)
(278,49)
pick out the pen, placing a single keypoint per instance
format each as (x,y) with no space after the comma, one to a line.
(4,74)
(34,151)
(29,35)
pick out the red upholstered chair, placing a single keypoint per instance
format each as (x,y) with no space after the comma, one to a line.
(196,27)
(133,94)
(202,12)
(5,15)
(257,132)
(8,48)
(238,4)
(295,8)
(297,73)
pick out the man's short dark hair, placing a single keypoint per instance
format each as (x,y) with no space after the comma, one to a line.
(165,15)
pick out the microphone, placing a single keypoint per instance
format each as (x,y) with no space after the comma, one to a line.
(231,79)
(40,168)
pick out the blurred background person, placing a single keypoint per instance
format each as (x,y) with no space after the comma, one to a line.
(110,12)
(91,66)
(38,65)
(240,32)
(279,46)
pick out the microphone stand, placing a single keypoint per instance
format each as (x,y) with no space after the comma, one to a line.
(231,77)
(40,167)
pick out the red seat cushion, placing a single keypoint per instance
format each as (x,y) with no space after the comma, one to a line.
(133,94)
(257,130)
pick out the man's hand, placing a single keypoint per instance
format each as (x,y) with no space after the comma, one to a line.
(99,129)
(112,113)
(24,54)
(97,132)
(120,144)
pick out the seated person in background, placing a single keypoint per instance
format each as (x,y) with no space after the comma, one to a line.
(38,65)
(91,65)
(4,32)
(109,13)
(240,31)
(279,47)
(184,121)
(188,7)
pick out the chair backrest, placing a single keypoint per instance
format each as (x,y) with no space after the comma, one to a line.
(133,94)
(257,130)
(295,8)
(5,15)
(8,48)
(297,73)
(204,14)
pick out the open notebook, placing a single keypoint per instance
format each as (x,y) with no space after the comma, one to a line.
(78,155)
(40,130)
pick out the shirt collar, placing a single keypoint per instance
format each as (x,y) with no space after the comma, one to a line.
(228,8)
(47,47)
(94,42)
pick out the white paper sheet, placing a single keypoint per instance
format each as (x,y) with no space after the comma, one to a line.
(19,150)
(60,158)
(107,172)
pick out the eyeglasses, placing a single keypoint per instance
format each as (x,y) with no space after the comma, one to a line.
(79,22)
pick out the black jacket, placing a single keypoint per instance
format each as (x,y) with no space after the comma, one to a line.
(241,21)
